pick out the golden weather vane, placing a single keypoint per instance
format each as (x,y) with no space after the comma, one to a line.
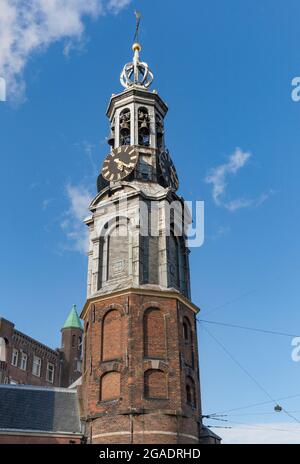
(136,73)
(137,29)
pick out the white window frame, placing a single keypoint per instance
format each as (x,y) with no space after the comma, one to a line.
(3,349)
(36,366)
(15,357)
(78,365)
(50,371)
(24,360)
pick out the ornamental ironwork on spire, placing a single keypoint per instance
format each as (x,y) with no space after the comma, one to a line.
(137,73)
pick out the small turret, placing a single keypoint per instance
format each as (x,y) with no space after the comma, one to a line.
(71,349)
(73,321)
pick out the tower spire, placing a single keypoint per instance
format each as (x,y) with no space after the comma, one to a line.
(136,73)
(138,16)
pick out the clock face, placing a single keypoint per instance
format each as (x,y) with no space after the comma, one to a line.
(120,163)
(168,170)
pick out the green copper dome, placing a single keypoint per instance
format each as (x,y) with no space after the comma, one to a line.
(73,320)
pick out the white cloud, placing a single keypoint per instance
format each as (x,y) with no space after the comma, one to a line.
(88,149)
(221,232)
(264,197)
(271,433)
(116,5)
(46,203)
(238,203)
(29,26)
(79,198)
(218,178)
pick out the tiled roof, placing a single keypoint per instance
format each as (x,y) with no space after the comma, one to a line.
(73,320)
(29,408)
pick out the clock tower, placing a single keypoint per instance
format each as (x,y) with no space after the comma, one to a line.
(140,379)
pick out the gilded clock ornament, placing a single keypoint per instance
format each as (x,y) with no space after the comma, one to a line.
(120,163)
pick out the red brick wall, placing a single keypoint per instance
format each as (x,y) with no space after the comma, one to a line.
(111,336)
(110,388)
(154,334)
(168,410)
(155,384)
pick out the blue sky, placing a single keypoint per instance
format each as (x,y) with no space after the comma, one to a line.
(225,70)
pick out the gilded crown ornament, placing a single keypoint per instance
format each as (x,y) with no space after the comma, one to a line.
(136,73)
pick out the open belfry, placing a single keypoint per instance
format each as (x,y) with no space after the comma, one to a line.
(140,379)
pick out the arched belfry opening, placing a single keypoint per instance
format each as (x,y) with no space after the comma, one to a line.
(143,127)
(124,127)
(115,252)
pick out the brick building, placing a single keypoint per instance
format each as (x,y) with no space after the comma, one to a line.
(26,361)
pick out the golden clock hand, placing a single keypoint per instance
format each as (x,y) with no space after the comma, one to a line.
(125,164)
(119,163)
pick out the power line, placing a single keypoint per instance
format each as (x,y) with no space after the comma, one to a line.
(257,404)
(216,308)
(217,427)
(253,329)
(248,374)
(239,365)
(256,414)
(251,427)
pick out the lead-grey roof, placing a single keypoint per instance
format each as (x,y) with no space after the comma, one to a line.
(41,409)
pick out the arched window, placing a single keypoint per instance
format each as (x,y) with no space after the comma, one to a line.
(188,342)
(154,334)
(159,132)
(110,386)
(112,336)
(155,384)
(3,349)
(185,332)
(118,252)
(144,127)
(85,346)
(114,252)
(173,260)
(125,127)
(190,392)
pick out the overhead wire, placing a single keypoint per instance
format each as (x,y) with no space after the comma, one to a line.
(216,308)
(258,384)
(252,405)
(253,329)
(261,427)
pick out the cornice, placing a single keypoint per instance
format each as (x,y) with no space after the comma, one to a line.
(140,291)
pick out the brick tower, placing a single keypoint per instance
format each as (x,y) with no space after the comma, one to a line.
(140,371)
(71,348)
